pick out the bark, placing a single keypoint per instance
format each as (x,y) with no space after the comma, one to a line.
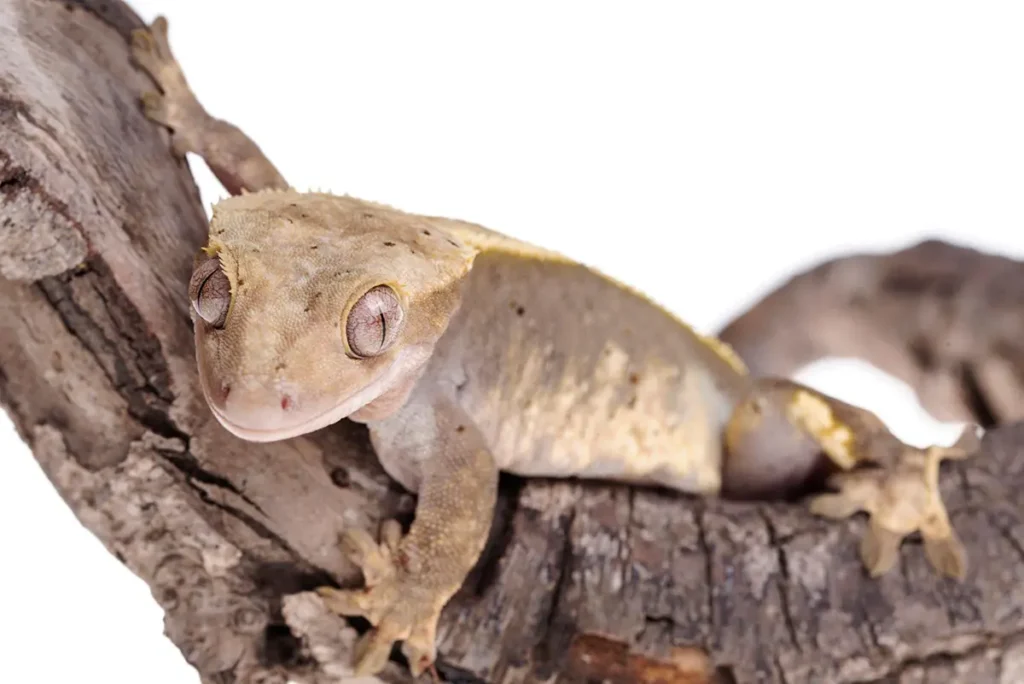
(580,582)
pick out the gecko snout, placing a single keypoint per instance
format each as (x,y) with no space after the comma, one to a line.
(253,406)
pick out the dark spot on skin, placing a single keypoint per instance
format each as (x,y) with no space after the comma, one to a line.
(314,246)
(631,404)
(241,282)
(426,232)
(286,402)
(520,311)
(279,367)
(389,244)
(293,205)
(461,428)
(340,477)
(634,379)
(367,215)
(313,299)
(453,243)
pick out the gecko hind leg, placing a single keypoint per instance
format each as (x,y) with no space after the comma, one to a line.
(775,440)
(901,499)
(234,158)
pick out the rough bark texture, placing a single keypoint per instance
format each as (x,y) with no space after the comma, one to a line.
(581,582)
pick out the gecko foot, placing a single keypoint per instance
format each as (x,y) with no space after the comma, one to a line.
(398,606)
(902,499)
(236,161)
(175,106)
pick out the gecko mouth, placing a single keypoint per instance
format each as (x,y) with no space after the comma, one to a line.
(280,428)
(312,424)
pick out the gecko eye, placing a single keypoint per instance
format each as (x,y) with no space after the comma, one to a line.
(210,292)
(374,322)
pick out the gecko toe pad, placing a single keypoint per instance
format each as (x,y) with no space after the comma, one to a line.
(901,499)
(880,549)
(375,560)
(398,606)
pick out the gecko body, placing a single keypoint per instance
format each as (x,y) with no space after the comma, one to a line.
(467,353)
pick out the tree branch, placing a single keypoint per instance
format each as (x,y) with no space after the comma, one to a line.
(98,226)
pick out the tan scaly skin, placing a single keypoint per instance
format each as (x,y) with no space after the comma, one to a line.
(467,352)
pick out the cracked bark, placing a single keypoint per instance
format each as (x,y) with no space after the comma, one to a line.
(98,225)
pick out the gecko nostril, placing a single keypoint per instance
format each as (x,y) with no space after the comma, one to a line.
(286,402)
(225,391)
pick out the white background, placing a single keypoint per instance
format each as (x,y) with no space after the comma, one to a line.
(702,154)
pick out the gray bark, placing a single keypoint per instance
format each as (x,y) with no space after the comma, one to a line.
(598,582)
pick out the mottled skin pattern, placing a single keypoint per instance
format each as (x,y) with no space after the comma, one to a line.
(485,354)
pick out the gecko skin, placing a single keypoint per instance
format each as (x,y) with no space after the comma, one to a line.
(466,352)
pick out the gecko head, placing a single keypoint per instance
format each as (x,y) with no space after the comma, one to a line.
(308,307)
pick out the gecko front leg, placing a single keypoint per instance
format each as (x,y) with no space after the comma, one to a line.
(433,447)
(782,428)
(234,158)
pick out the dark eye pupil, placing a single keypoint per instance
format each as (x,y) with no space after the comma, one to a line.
(374,322)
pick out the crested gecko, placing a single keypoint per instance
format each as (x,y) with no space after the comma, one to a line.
(466,352)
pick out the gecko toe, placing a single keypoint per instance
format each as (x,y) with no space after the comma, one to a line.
(142,43)
(153,106)
(391,535)
(151,49)
(420,647)
(358,545)
(347,602)
(880,550)
(375,560)
(372,651)
(159,29)
(946,555)
(835,506)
